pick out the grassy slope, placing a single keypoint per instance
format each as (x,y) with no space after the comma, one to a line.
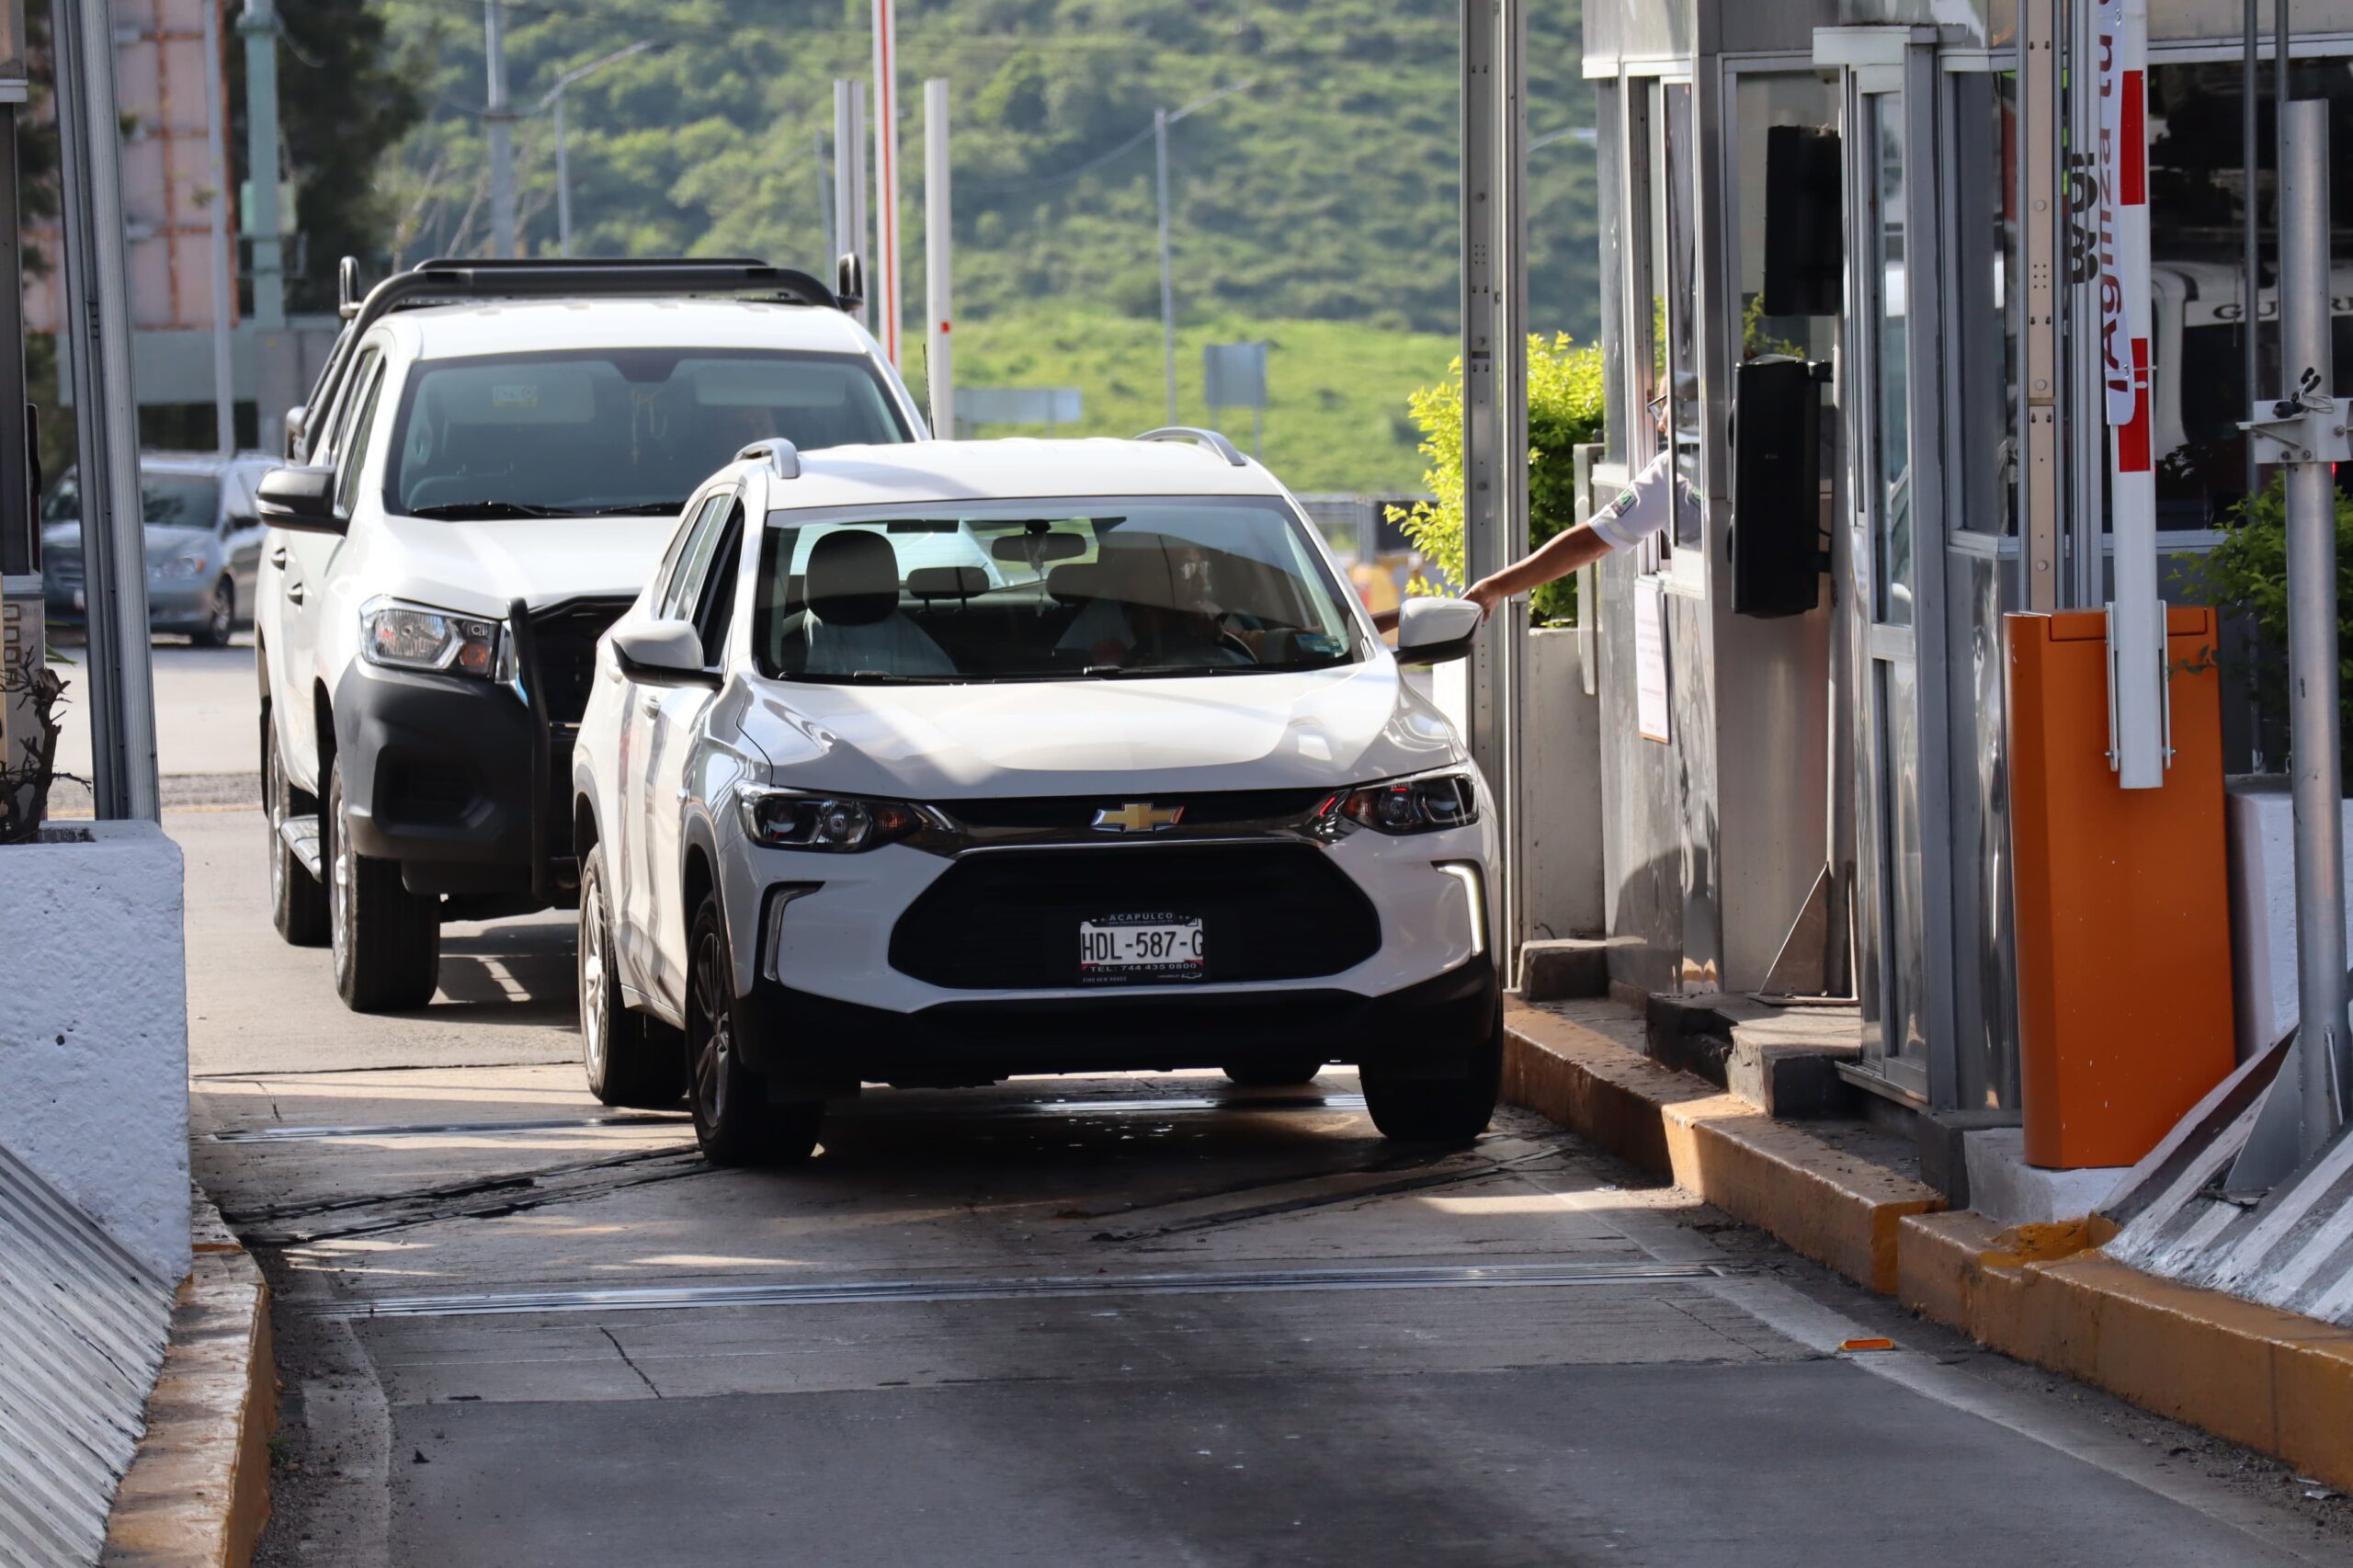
(1336,393)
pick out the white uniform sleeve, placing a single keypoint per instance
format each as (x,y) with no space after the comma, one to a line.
(1642,508)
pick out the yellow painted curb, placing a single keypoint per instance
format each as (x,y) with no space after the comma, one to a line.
(197,1494)
(1828,1205)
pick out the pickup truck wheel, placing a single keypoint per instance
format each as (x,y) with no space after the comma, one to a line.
(298,903)
(387,941)
(1275,1072)
(632,1060)
(735,1122)
(1438,1110)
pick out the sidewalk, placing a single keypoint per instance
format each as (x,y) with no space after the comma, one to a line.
(2044,1294)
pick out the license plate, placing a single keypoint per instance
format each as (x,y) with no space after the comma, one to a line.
(1113,948)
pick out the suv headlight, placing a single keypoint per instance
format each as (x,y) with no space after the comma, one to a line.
(178,566)
(841,824)
(1431,802)
(404,636)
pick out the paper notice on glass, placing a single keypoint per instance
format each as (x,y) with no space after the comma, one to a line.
(1650,660)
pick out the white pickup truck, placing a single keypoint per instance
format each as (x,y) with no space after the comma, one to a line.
(483,478)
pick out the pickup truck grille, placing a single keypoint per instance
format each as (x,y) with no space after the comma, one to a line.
(563,640)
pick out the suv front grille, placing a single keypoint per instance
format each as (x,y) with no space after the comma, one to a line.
(1074,814)
(1008,920)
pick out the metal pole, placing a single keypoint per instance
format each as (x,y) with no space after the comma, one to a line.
(1167,274)
(2039,115)
(886,174)
(257,23)
(225,282)
(2304,328)
(939,238)
(95,338)
(498,121)
(563,183)
(849,176)
(2251,242)
(824,202)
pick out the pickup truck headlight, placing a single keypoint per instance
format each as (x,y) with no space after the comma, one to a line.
(841,824)
(1430,804)
(404,636)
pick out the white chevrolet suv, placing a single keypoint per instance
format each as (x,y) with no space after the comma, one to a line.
(484,477)
(936,763)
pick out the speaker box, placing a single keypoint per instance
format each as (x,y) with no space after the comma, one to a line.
(1776,555)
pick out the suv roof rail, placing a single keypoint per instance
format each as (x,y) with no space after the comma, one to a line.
(779,454)
(444,280)
(1208,440)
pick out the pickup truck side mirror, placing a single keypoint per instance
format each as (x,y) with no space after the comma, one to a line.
(300,499)
(665,652)
(1432,632)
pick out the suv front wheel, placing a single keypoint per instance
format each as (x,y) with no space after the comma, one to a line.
(387,940)
(632,1060)
(736,1123)
(1413,1109)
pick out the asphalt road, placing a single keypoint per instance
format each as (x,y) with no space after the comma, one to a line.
(205,699)
(1147,1320)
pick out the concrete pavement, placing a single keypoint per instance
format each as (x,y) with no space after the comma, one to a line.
(205,709)
(1142,1319)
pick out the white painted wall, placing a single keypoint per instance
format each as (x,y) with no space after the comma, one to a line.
(2262,821)
(94,1031)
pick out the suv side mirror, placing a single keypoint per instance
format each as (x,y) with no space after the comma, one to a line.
(849,281)
(300,499)
(667,652)
(1432,632)
(235,523)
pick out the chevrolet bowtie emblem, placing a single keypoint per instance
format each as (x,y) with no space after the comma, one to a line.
(1138,816)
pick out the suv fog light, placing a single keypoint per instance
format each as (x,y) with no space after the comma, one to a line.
(1474,888)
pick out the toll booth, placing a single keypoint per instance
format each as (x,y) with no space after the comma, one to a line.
(1804,779)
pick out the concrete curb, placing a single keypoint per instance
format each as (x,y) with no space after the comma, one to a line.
(1832,1207)
(2044,1294)
(197,1494)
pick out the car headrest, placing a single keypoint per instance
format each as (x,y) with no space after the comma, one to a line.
(853,578)
(947,582)
(1075,583)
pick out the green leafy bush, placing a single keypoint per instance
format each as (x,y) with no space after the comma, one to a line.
(1563,411)
(2246,575)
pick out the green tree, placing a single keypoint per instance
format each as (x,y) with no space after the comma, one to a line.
(1564,411)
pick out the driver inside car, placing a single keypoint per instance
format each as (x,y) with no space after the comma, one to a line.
(1154,609)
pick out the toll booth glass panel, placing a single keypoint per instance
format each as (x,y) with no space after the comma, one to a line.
(1677,205)
(1891,359)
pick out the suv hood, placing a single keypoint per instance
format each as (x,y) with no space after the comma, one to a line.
(482,566)
(1086,737)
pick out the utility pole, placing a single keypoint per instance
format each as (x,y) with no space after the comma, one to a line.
(1167,271)
(1161,119)
(939,238)
(257,23)
(886,174)
(95,341)
(225,281)
(498,123)
(850,179)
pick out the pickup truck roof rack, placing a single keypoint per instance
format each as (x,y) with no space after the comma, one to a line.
(1208,439)
(448,280)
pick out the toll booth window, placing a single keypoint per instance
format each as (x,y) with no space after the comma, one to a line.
(1982,440)
(1785,211)
(1675,396)
(2198,389)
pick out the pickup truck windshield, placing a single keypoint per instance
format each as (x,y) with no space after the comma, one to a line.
(1019,591)
(582,432)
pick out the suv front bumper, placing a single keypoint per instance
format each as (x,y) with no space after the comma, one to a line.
(1426,1029)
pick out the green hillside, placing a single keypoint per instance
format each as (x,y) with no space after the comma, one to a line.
(1315,206)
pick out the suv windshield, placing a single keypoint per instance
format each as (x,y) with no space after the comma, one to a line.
(581,432)
(1020,591)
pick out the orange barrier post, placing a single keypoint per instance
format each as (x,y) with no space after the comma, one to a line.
(2122,897)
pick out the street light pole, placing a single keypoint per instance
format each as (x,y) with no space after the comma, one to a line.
(498,122)
(1161,119)
(552,100)
(224,283)
(1167,276)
